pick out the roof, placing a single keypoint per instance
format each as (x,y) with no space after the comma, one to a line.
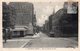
(20,28)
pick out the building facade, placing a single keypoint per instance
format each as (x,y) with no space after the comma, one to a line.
(8,19)
(24,15)
(65,23)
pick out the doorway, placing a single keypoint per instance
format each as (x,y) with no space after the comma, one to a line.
(21,33)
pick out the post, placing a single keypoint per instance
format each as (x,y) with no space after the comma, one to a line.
(6,30)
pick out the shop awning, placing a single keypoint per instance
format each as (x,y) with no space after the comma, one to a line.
(19,29)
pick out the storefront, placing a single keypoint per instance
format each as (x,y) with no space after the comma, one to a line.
(19,31)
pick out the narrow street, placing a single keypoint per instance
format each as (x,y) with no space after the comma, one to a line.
(45,41)
(41,40)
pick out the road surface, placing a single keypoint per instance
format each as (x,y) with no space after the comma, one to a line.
(45,41)
(41,40)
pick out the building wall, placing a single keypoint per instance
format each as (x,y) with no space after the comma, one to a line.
(8,19)
(64,23)
(6,15)
(12,16)
(24,13)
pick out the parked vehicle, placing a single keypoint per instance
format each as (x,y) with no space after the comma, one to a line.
(51,34)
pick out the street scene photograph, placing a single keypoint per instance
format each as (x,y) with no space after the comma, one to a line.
(40,24)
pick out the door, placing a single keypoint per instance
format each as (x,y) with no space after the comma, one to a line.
(21,33)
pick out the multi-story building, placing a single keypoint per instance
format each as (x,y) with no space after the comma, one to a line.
(50,22)
(64,22)
(24,17)
(70,19)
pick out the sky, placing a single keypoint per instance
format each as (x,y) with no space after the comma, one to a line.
(44,9)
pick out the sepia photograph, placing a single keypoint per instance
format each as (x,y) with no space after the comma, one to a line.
(40,24)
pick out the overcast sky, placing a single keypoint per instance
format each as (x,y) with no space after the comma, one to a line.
(44,9)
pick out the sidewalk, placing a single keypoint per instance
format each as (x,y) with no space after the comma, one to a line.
(16,43)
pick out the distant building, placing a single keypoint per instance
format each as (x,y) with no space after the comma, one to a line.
(24,15)
(34,23)
(50,20)
(46,27)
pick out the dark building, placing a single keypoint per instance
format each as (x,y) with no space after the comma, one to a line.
(24,18)
(6,13)
(5,18)
(8,18)
(64,22)
(69,20)
(50,22)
